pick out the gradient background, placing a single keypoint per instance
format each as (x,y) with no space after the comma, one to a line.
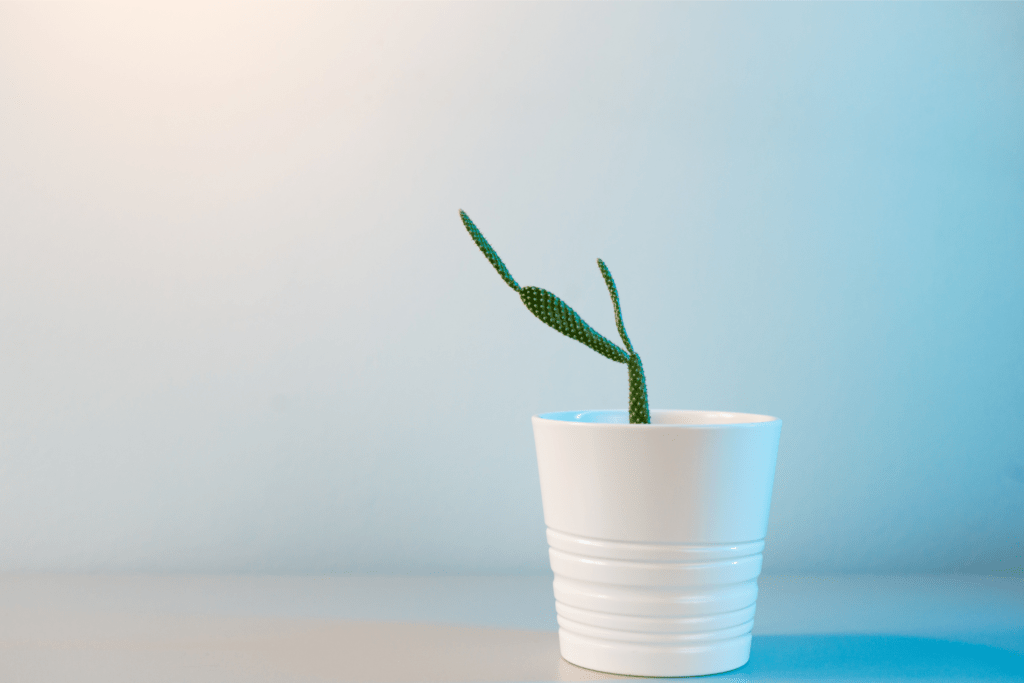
(242,328)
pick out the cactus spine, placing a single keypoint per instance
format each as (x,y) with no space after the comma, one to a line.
(556,313)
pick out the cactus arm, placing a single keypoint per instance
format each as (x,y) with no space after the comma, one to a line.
(489,252)
(639,410)
(614,292)
(556,313)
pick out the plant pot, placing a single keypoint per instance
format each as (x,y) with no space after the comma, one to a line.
(655,535)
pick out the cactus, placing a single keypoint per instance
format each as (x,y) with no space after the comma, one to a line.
(556,313)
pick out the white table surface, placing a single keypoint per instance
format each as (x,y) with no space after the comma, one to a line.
(461,629)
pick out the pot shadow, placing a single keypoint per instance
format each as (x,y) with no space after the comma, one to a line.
(874,657)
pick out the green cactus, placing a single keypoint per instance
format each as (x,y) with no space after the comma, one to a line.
(556,313)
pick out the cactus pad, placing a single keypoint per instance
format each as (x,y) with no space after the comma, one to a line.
(556,313)
(489,252)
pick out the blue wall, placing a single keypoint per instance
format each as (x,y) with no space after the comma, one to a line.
(242,329)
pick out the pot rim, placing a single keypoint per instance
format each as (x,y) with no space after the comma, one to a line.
(619,419)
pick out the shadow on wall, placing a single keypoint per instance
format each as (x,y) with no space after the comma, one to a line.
(855,657)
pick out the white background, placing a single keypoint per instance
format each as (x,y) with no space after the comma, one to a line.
(242,328)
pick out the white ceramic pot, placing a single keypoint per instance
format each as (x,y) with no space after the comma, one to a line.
(655,535)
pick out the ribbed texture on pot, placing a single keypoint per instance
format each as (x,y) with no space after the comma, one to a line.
(666,607)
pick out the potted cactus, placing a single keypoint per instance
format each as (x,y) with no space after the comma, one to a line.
(655,518)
